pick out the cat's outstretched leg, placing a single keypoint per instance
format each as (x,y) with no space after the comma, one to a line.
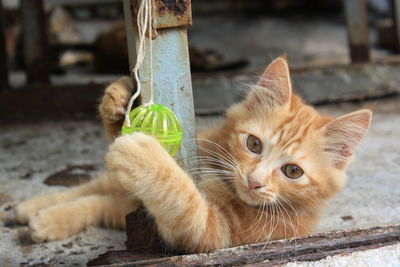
(113,105)
(184,217)
(69,218)
(30,208)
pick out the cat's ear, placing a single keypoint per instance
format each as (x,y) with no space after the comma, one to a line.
(274,87)
(343,134)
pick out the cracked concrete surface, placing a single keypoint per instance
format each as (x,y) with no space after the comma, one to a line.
(31,152)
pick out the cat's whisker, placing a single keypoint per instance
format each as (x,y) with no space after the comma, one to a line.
(219,147)
(209,168)
(294,228)
(258,219)
(262,213)
(214,164)
(272,231)
(204,169)
(233,162)
(214,161)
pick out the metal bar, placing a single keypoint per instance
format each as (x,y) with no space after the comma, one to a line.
(172,80)
(4,83)
(36,50)
(357,27)
(131,32)
(396,20)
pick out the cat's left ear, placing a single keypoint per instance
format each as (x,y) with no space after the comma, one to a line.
(343,134)
(274,87)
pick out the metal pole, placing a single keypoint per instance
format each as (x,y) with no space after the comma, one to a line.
(357,27)
(36,51)
(171,67)
(396,21)
(3,54)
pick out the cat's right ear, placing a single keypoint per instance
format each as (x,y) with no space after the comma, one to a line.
(274,87)
(343,134)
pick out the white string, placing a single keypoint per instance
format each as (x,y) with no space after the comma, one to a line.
(143,23)
(151,51)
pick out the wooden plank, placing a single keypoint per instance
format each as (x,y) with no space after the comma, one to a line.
(311,248)
(213,92)
(36,49)
(4,84)
(44,102)
(357,30)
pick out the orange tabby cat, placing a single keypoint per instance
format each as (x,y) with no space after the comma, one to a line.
(267,171)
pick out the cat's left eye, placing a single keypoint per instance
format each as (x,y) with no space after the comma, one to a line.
(292,171)
(254,144)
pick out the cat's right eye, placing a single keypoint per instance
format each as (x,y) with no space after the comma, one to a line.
(292,171)
(254,144)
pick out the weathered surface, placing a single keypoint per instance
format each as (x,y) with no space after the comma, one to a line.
(173,13)
(383,256)
(312,248)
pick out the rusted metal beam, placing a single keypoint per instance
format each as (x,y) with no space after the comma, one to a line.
(276,253)
(36,50)
(357,30)
(4,84)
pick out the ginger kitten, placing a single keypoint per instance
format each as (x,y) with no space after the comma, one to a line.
(267,171)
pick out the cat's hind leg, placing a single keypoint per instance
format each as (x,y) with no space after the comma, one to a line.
(69,218)
(31,207)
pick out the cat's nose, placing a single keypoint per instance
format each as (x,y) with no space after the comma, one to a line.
(254,184)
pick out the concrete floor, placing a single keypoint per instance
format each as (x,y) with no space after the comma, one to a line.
(31,152)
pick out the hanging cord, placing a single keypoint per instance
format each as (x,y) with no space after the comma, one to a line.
(143,23)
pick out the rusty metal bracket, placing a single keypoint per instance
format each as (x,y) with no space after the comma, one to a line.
(169,13)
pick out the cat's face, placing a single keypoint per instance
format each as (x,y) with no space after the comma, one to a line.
(283,149)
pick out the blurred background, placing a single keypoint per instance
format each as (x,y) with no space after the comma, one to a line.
(66,46)
(57,56)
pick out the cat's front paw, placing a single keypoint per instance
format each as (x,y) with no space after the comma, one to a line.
(133,160)
(51,225)
(115,100)
(27,209)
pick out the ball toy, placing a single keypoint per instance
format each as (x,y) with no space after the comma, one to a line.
(158,121)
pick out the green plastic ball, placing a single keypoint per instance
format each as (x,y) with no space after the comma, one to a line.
(158,121)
